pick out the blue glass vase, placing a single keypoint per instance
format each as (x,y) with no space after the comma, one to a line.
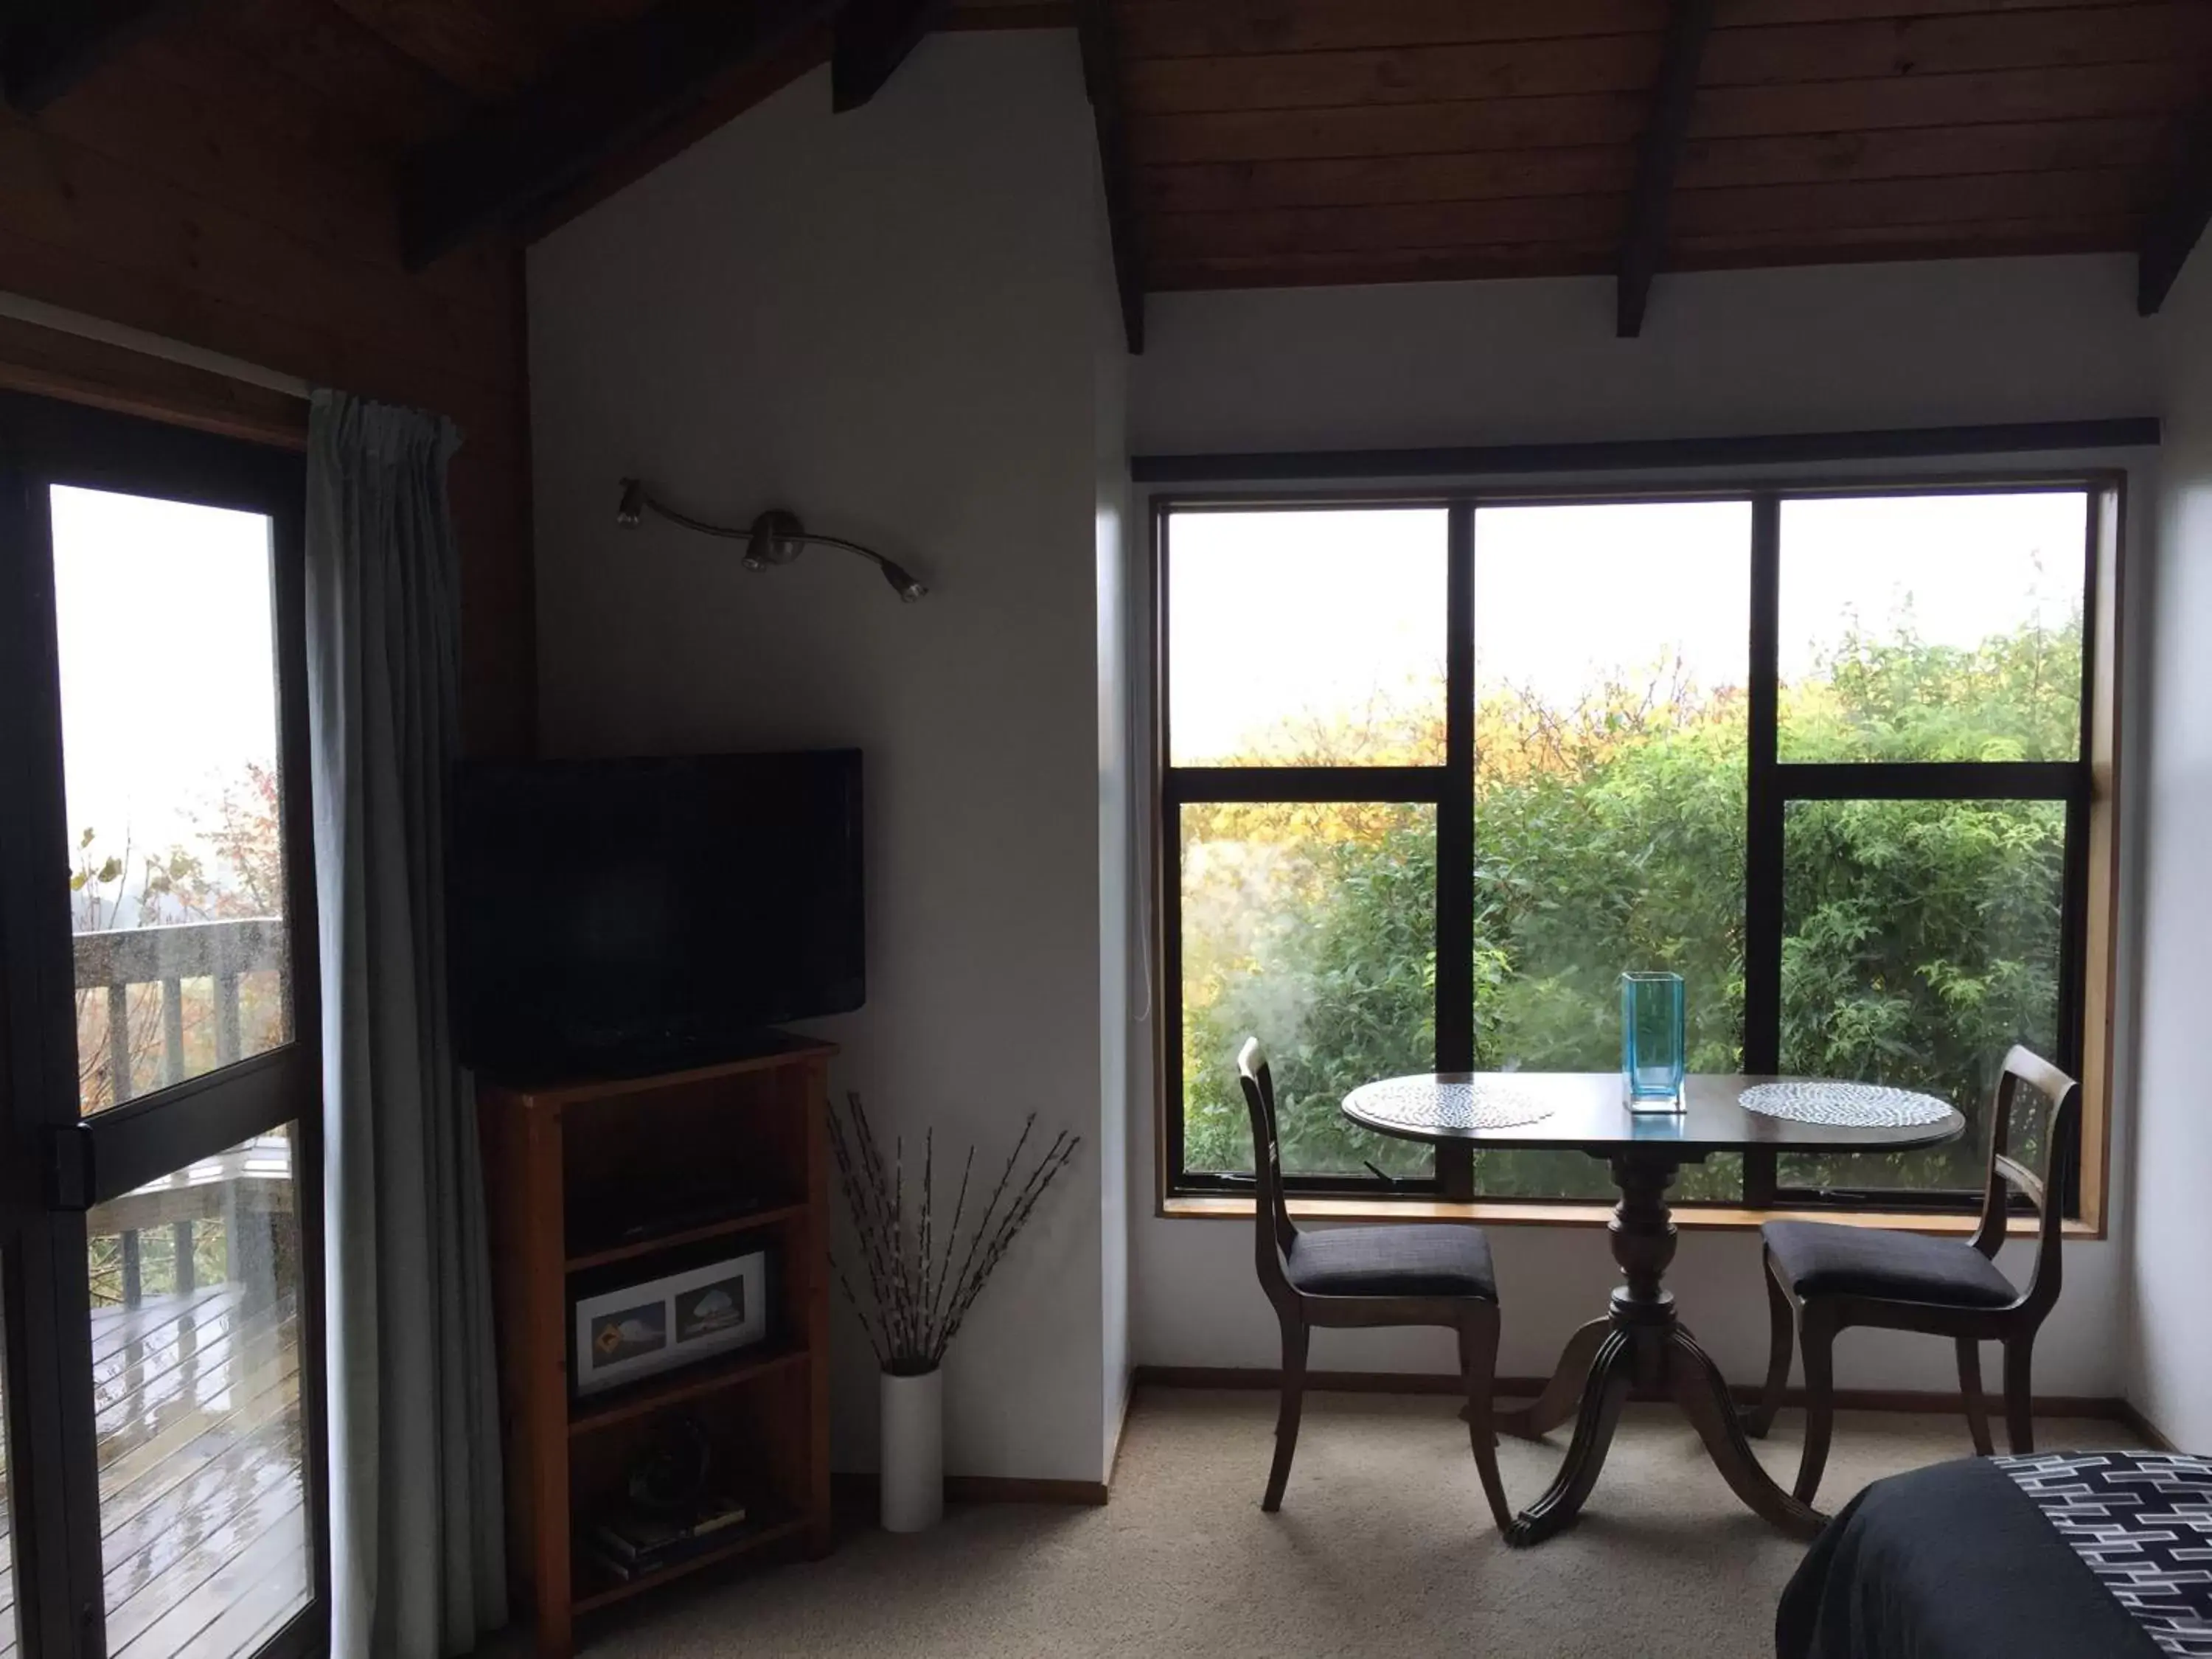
(1652,1041)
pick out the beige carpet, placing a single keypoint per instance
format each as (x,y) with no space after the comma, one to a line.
(1384,1548)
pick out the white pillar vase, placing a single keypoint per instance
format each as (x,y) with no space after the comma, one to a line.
(912,1418)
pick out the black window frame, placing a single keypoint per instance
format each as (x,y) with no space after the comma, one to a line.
(67,1164)
(1771,785)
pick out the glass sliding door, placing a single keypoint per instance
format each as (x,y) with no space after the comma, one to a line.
(161,882)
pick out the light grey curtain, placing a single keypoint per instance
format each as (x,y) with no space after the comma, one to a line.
(417,1523)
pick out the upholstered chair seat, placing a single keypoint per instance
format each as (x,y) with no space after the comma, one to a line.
(1409,1260)
(1819,1258)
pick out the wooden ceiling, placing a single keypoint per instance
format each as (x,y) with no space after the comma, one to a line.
(1278,142)
(1362,141)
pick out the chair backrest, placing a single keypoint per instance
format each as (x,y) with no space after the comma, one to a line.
(2044,1187)
(1272,1234)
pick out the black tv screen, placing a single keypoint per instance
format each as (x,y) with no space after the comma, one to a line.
(639,915)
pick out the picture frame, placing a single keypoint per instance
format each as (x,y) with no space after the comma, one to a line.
(655,1325)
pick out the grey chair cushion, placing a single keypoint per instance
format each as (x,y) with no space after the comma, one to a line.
(1394,1260)
(1820,1259)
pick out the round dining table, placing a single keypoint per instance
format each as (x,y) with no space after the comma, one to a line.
(1641,1344)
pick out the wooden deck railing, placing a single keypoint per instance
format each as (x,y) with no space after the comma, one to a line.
(224,952)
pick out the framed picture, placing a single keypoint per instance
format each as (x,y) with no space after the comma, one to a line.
(658,1324)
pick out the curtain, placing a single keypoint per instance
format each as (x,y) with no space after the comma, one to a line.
(417,1528)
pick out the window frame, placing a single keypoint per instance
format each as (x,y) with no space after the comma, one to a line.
(2087,786)
(83,1162)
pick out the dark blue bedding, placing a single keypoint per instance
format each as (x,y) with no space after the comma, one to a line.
(2081,1555)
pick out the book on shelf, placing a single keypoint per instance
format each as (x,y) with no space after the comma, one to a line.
(629,1540)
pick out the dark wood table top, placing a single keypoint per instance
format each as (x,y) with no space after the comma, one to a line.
(1586,1112)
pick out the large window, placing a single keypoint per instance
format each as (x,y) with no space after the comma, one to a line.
(1436,772)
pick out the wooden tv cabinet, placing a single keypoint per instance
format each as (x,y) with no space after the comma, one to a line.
(579,1177)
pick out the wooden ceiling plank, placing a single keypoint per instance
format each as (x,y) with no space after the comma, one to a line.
(222,127)
(605,93)
(1753,14)
(1968,240)
(2178,223)
(1958,43)
(1199,187)
(48,47)
(491,49)
(93,207)
(2006,97)
(1658,157)
(1790,159)
(1899,204)
(1181,28)
(1965,239)
(1185,28)
(872,39)
(1422,74)
(1998,96)
(1410,265)
(1177,237)
(1094,32)
(1924,152)
(324,49)
(1945,44)
(1388,130)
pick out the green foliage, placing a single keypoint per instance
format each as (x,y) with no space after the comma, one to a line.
(1922,937)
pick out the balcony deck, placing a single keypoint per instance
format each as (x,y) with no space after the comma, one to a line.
(205,1538)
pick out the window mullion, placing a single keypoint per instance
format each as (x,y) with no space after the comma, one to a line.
(1762,921)
(1456,839)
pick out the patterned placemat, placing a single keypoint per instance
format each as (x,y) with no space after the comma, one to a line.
(1844,1105)
(1421,1103)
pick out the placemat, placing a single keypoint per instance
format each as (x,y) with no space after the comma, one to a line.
(1420,1102)
(1843,1105)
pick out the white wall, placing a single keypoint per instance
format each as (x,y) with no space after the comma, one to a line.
(1723,353)
(2171,1355)
(1823,348)
(1117,762)
(885,321)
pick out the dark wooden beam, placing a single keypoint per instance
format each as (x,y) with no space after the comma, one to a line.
(612,90)
(1102,79)
(1658,154)
(47,46)
(2174,229)
(872,40)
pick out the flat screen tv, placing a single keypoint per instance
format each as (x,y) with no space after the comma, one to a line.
(623,916)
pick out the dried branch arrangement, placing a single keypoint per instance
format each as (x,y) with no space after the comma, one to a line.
(919,1297)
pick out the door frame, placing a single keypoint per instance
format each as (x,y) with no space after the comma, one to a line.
(59,1165)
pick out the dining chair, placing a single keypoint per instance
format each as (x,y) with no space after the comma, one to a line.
(1840,1276)
(1404,1274)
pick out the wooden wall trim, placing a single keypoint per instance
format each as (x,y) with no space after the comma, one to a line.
(50,363)
(1942,1402)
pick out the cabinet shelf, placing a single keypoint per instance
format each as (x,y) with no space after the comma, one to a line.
(597,1587)
(630,1249)
(571,1172)
(641,1399)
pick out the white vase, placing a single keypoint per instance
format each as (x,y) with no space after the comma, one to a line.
(912,1416)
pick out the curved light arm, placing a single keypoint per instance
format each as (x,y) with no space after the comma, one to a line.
(772,538)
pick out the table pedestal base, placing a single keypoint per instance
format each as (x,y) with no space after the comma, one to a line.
(1641,1345)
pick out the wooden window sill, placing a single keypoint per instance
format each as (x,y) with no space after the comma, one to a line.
(1500,1213)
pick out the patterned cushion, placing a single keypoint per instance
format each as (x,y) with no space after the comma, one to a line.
(1821,1259)
(1395,1260)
